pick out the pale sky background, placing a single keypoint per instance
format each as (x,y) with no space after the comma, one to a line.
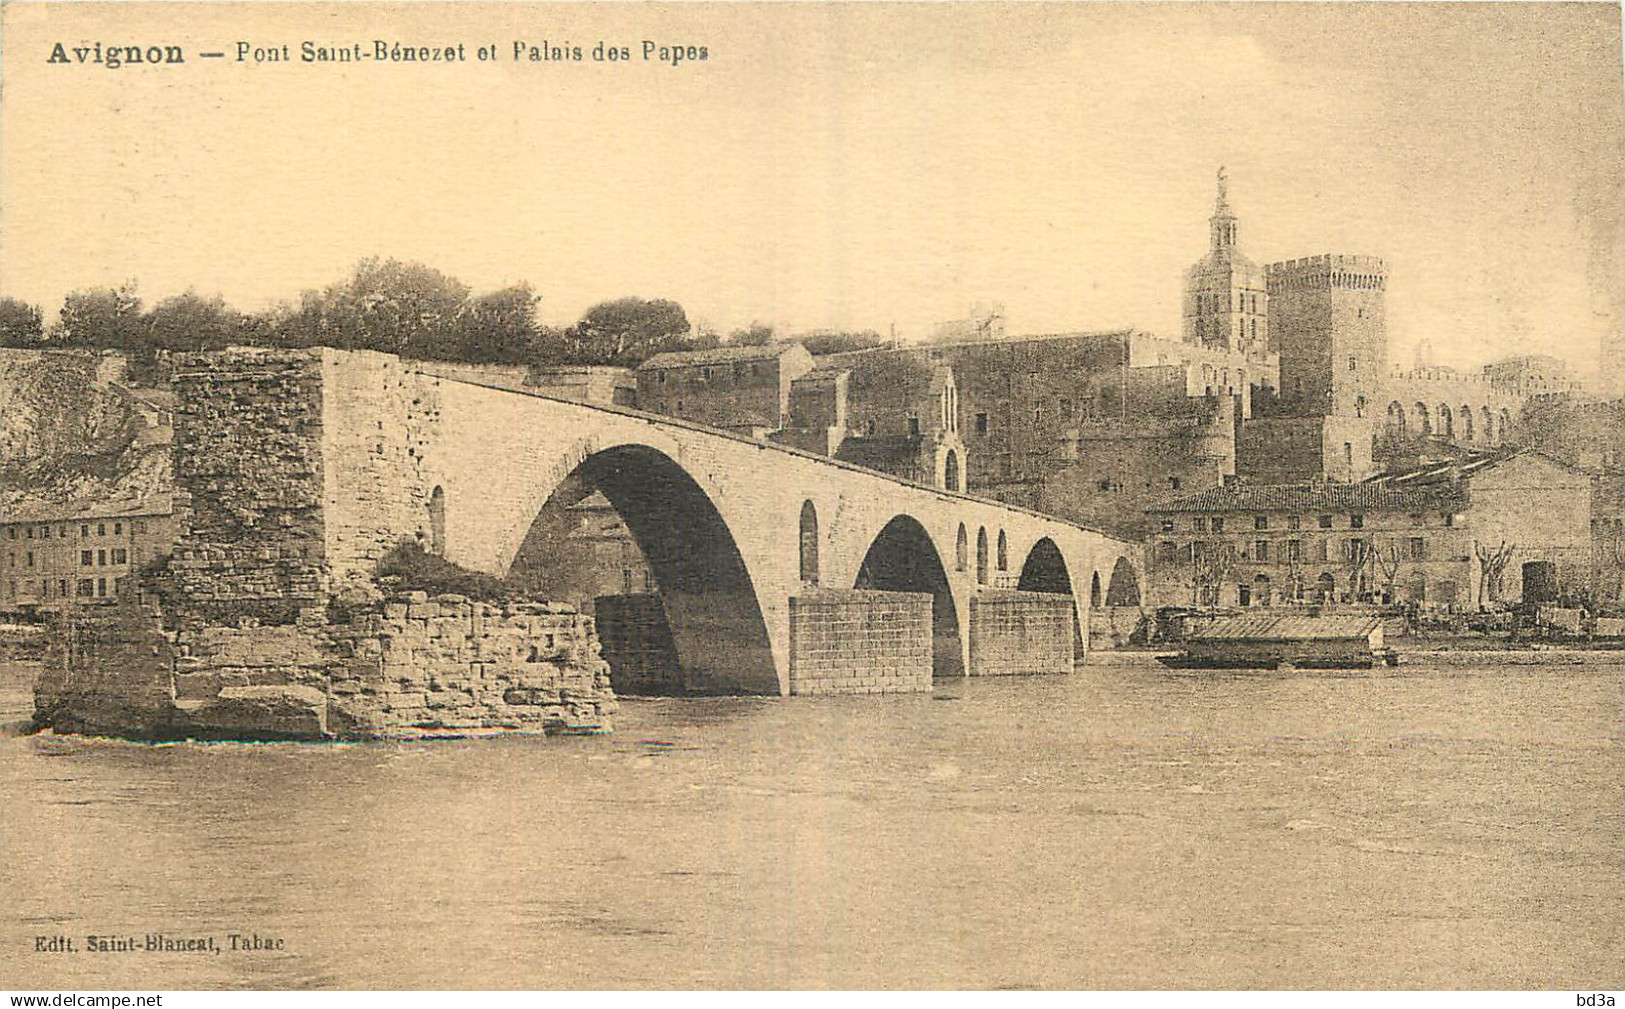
(849,167)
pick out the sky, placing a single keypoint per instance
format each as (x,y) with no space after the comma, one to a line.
(862,166)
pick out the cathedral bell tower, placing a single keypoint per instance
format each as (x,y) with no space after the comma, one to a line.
(1226,298)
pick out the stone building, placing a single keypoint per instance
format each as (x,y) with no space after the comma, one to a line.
(1092,427)
(67,556)
(740,388)
(1428,535)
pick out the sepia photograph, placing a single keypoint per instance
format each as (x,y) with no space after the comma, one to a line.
(812,496)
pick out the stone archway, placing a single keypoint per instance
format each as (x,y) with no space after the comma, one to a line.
(903,558)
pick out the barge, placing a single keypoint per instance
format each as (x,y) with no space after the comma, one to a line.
(1285,641)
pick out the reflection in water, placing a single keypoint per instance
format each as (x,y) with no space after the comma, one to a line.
(1125,827)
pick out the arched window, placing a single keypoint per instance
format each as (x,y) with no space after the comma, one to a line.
(437,522)
(981,556)
(1094,591)
(959,549)
(809,543)
(1466,422)
(1004,553)
(950,471)
(1447,422)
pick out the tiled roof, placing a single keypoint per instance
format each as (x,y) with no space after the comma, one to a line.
(1293,627)
(717,355)
(1311,497)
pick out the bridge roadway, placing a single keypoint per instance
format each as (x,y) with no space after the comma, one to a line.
(732,527)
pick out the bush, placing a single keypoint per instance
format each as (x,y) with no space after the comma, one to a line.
(409,568)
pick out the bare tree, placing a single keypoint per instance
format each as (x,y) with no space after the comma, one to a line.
(1492,563)
(1212,562)
(1388,560)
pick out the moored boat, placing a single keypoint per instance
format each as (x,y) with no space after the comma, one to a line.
(1285,641)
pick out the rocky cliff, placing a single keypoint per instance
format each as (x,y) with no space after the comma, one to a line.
(69,435)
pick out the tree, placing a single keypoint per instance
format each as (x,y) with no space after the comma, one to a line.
(629,331)
(839,343)
(1212,564)
(1491,563)
(1388,561)
(757,334)
(21,324)
(103,317)
(191,322)
(386,305)
(500,327)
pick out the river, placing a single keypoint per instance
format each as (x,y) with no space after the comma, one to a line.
(1129,826)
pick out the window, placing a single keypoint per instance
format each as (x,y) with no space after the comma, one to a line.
(1294,550)
(1348,453)
(961,545)
(101,558)
(914,426)
(118,528)
(30,559)
(1174,483)
(1359,406)
(1293,522)
(705,374)
(1351,364)
(139,526)
(1449,520)
(1324,521)
(1356,521)
(1419,548)
(101,587)
(101,529)
(1261,550)
(86,558)
(121,556)
(1218,524)
(1106,484)
(62,588)
(981,424)
(87,588)
(1261,521)
(1167,525)
(1323,551)
(1199,524)
(1038,415)
(45,532)
(1168,552)
(1004,553)
(84,530)
(30,532)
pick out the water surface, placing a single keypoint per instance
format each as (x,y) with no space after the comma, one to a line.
(1128,826)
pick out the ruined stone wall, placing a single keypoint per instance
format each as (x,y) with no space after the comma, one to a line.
(249,485)
(860,642)
(1019,633)
(378,418)
(412,666)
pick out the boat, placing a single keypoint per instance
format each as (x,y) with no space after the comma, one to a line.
(1285,641)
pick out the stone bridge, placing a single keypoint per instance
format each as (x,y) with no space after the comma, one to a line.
(735,531)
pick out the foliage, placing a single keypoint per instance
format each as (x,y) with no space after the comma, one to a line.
(190,321)
(840,343)
(628,331)
(757,334)
(21,324)
(103,317)
(409,568)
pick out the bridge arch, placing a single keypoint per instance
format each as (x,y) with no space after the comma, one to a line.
(1466,422)
(1396,416)
(1424,422)
(903,558)
(710,601)
(1045,570)
(1124,587)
